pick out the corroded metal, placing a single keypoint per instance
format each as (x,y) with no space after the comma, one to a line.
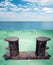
(15,54)
(41,47)
(13,46)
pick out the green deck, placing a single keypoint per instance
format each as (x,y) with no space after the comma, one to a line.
(27,42)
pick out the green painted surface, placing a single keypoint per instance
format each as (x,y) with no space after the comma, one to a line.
(27,42)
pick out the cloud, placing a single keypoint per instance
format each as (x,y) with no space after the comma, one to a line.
(45,2)
(1,4)
(27,13)
(41,2)
(31,0)
(3,9)
(36,9)
(48,10)
(24,16)
(26,9)
(14,8)
(7,4)
(20,9)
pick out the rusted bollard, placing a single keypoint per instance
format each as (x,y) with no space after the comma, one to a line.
(13,46)
(41,47)
(15,54)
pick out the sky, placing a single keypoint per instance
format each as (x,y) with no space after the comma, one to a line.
(26,10)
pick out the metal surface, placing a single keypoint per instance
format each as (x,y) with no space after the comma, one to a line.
(41,46)
(15,54)
(13,46)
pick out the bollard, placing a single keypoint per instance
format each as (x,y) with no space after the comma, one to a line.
(13,46)
(15,54)
(41,47)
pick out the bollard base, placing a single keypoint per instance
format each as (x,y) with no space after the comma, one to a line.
(26,55)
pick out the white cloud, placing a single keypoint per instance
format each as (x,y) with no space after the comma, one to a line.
(20,9)
(42,2)
(36,9)
(48,10)
(3,9)
(46,2)
(26,9)
(31,0)
(8,5)
(16,9)
(24,16)
(1,4)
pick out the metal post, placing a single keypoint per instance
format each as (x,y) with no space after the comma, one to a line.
(13,46)
(41,46)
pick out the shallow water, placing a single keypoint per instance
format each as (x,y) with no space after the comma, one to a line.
(27,42)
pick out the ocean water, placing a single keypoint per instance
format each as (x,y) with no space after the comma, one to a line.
(27,33)
(26,25)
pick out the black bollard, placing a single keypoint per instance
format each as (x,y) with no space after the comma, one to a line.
(13,46)
(41,47)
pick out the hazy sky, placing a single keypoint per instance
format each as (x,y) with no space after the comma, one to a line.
(26,10)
